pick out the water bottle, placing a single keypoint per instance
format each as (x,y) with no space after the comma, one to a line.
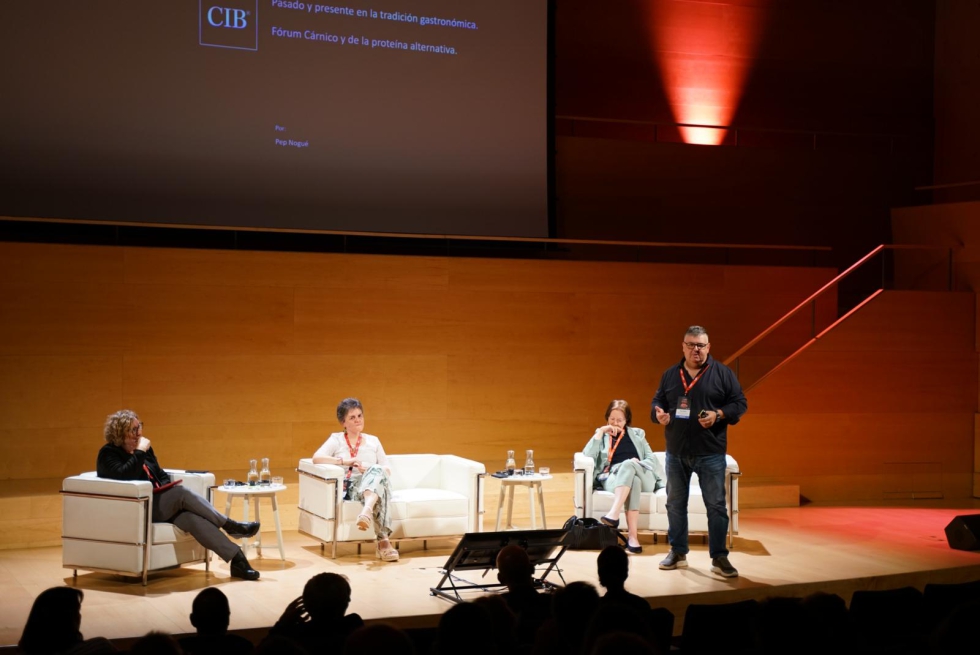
(511,463)
(265,475)
(529,463)
(253,473)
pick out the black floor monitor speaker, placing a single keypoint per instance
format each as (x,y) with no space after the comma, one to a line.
(477,551)
(963,532)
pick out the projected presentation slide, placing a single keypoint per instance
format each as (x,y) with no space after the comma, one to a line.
(421,116)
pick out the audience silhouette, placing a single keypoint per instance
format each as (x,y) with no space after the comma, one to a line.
(210,615)
(613,619)
(622,642)
(379,638)
(156,643)
(319,615)
(613,565)
(53,625)
(532,608)
(573,620)
(959,629)
(572,607)
(503,619)
(279,645)
(465,627)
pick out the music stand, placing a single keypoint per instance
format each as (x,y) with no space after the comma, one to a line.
(478,551)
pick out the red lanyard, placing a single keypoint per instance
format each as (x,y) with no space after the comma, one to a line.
(156,483)
(688,387)
(612,450)
(353,453)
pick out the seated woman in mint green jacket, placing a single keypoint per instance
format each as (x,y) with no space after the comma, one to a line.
(624,466)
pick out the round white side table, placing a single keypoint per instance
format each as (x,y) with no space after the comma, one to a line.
(533,484)
(246,493)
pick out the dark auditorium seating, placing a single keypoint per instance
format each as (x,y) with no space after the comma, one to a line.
(888,620)
(661,622)
(941,599)
(725,628)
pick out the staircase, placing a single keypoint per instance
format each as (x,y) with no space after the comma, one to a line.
(867,401)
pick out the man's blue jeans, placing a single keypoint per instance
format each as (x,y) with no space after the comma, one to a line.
(711,475)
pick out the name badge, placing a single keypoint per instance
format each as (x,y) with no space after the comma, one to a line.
(683,407)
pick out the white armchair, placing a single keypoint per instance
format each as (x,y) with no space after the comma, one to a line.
(433,497)
(107,525)
(595,503)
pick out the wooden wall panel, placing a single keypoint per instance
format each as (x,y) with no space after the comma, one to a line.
(54,392)
(914,320)
(954,226)
(211,389)
(42,264)
(222,445)
(515,324)
(350,273)
(370,321)
(54,452)
(69,318)
(229,356)
(518,386)
(844,381)
(212,319)
(883,394)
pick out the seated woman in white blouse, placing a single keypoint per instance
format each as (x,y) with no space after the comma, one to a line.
(366,475)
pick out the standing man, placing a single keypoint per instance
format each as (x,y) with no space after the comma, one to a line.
(697,400)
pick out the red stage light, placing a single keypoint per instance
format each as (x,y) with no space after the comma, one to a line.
(704,51)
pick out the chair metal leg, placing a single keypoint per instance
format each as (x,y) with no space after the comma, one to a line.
(147,521)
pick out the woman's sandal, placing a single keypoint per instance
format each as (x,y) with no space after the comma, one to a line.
(389,554)
(363,522)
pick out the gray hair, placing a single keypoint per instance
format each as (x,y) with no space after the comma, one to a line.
(695,331)
(345,407)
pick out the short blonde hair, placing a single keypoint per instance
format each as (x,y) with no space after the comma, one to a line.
(117,426)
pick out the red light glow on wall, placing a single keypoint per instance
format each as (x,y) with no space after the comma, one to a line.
(705,51)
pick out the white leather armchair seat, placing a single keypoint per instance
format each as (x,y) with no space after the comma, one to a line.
(595,503)
(433,496)
(107,525)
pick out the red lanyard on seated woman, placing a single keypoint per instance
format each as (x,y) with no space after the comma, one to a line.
(353,453)
(152,478)
(612,450)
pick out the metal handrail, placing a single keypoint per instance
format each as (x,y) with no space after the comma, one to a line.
(813,297)
(735,359)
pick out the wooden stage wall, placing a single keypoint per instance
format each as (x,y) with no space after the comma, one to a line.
(231,355)
(955,226)
(236,355)
(880,409)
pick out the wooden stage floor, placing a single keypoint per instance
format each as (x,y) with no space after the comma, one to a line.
(787,551)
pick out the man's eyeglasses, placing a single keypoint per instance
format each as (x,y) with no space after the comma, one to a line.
(696,346)
(136,430)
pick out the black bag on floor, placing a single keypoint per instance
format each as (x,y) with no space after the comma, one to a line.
(588,534)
